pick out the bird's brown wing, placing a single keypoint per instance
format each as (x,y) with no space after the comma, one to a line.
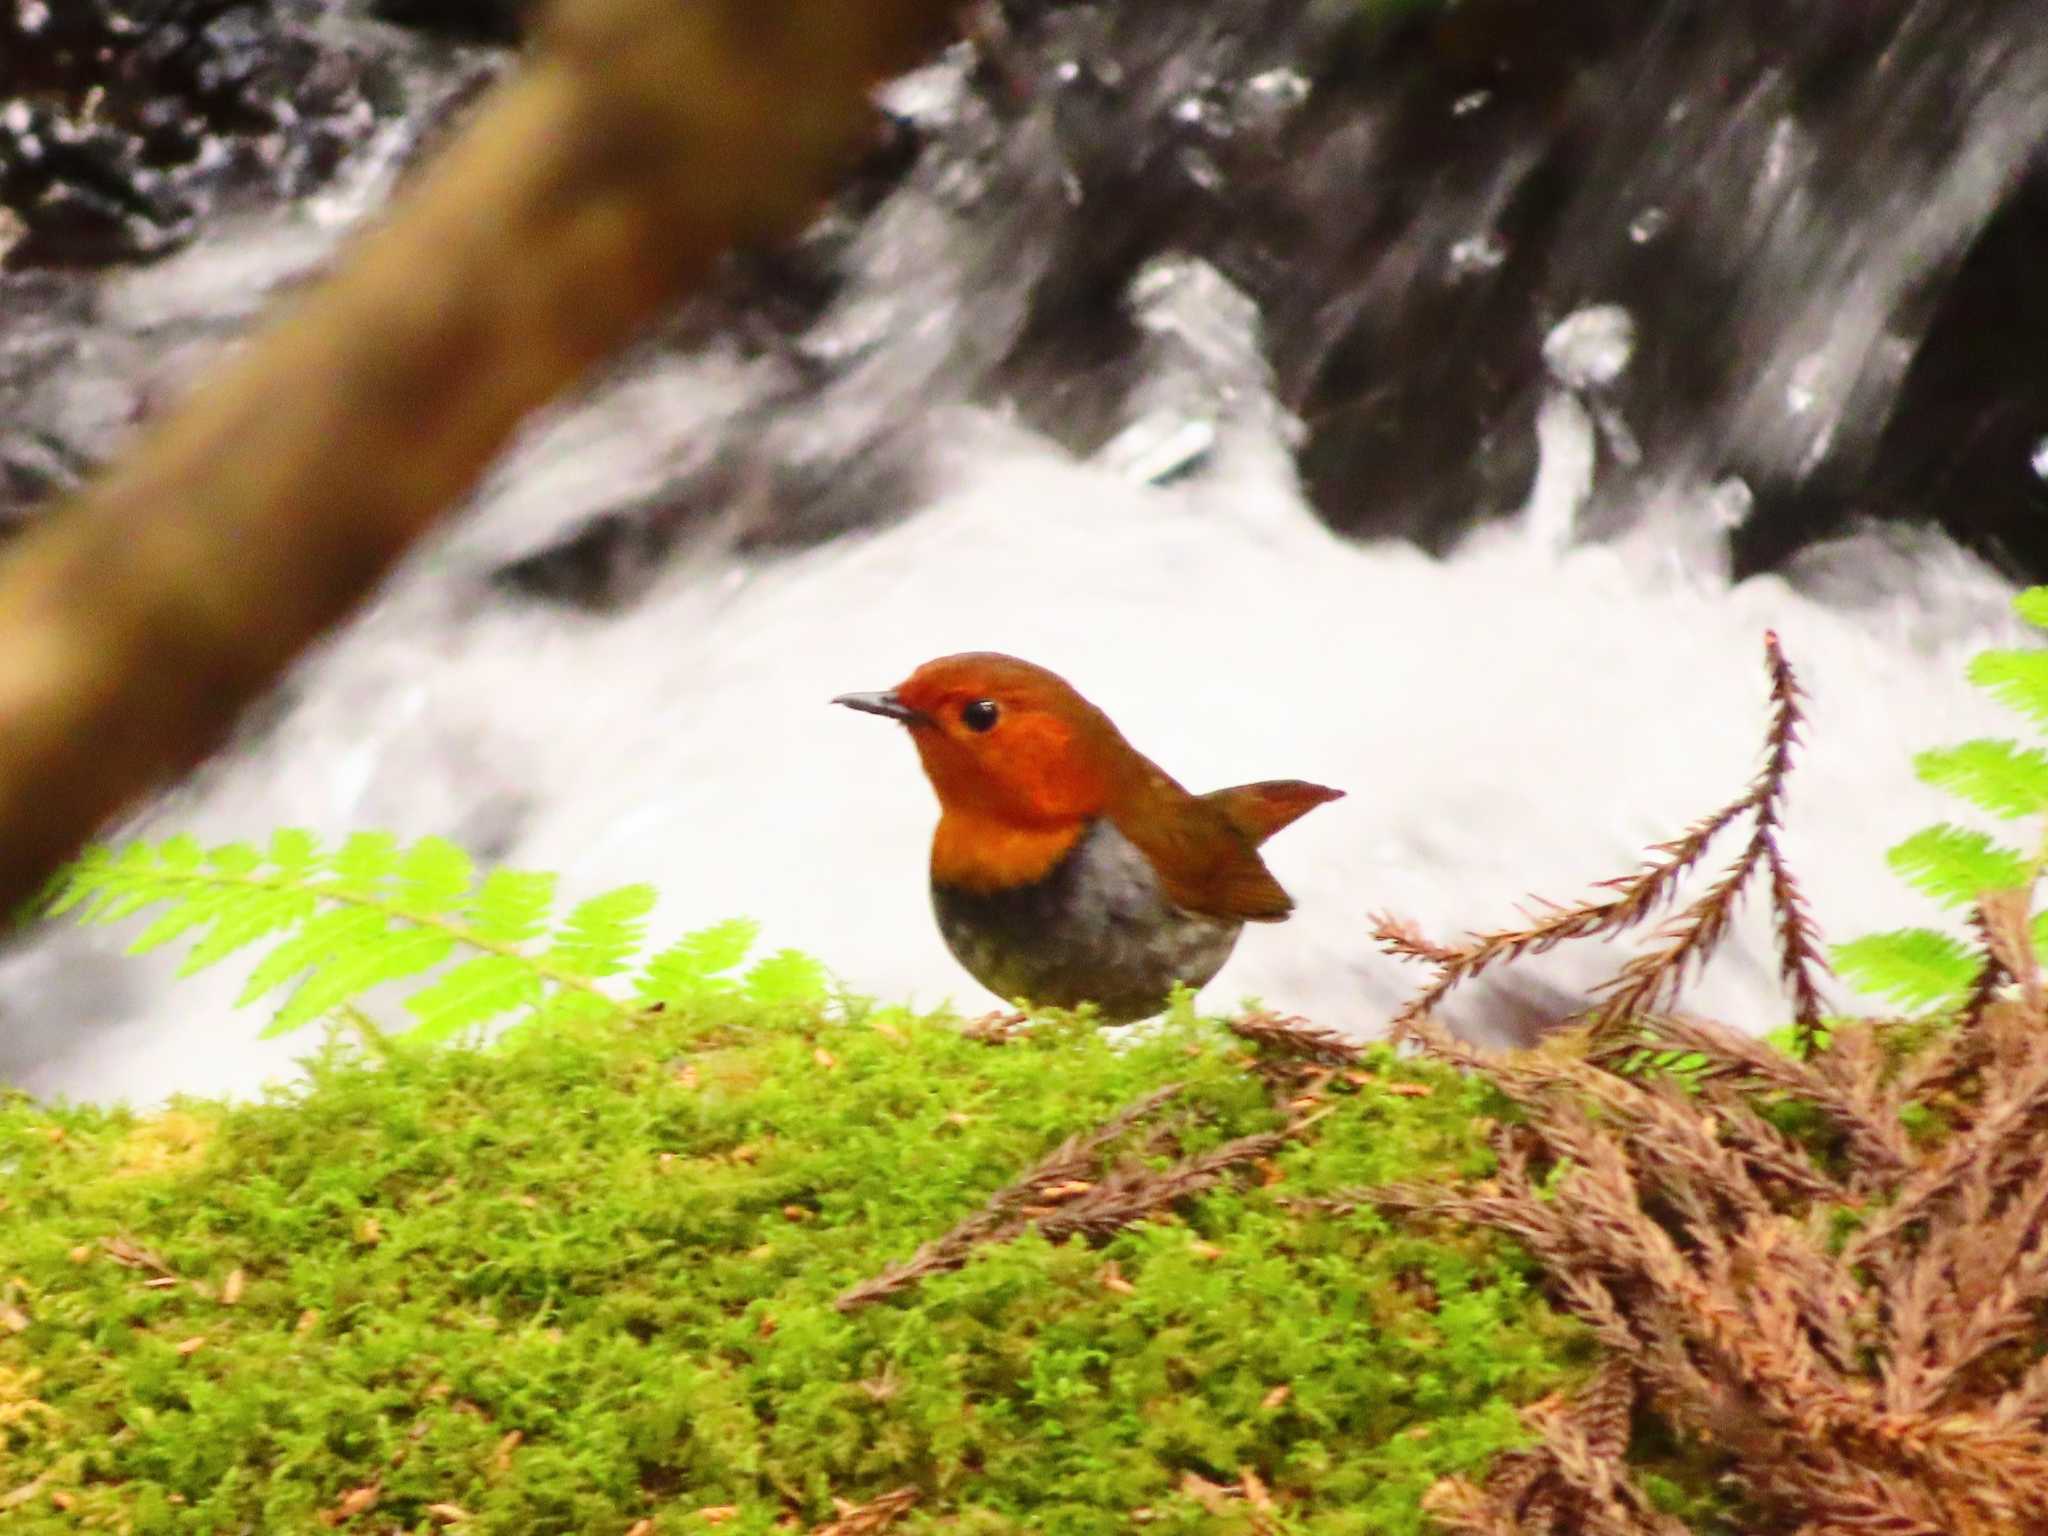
(1259,810)
(1206,863)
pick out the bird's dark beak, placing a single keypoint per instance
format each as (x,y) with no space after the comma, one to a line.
(885,704)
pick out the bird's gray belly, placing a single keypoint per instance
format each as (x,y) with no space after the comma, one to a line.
(1098,928)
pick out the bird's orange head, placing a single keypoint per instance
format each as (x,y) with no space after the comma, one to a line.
(1021,763)
(1005,740)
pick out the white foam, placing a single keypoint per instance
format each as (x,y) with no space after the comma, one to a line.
(1521,717)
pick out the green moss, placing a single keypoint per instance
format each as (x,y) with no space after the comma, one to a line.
(623,1246)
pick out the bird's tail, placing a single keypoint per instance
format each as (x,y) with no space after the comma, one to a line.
(1259,810)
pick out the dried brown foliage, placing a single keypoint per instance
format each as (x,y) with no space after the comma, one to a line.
(1570,1480)
(869,1519)
(1077,1191)
(1284,1038)
(997,1028)
(1851,1314)
(1087,1187)
(1652,978)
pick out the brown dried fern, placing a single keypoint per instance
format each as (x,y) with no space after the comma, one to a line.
(1844,1390)
(1069,1193)
(1296,1039)
(871,1518)
(1650,979)
(1068,1163)
(1854,1316)
(1571,1480)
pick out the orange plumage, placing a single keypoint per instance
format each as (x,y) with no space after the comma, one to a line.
(1067,867)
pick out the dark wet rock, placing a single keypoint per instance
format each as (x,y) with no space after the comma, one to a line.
(1819,222)
(476,21)
(1788,202)
(41,325)
(130,130)
(1782,203)
(1965,441)
(34,467)
(124,122)
(605,561)
(1788,208)
(1820,226)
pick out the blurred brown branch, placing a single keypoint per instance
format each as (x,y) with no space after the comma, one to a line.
(645,137)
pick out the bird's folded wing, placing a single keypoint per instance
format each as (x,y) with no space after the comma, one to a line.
(1259,810)
(1208,865)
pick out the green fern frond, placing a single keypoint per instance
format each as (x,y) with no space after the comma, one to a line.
(1917,967)
(2001,777)
(513,905)
(601,935)
(786,976)
(483,986)
(696,963)
(1801,1044)
(2017,679)
(374,912)
(1685,1068)
(395,951)
(1956,865)
(366,860)
(434,876)
(2032,606)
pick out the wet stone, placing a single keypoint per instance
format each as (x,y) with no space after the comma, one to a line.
(33,468)
(1822,227)
(124,123)
(485,21)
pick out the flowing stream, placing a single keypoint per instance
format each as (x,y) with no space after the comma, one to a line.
(1439,414)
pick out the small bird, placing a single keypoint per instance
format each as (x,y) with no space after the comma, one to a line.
(1067,867)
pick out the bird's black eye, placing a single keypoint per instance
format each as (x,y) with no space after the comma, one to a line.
(980,715)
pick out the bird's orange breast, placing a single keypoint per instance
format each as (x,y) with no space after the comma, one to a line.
(974,852)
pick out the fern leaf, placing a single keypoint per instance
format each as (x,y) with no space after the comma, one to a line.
(337,931)
(232,859)
(294,851)
(79,882)
(393,956)
(599,936)
(374,912)
(130,877)
(512,906)
(80,889)
(471,994)
(201,908)
(365,862)
(2032,605)
(1915,966)
(2001,777)
(181,854)
(238,916)
(257,913)
(787,976)
(696,965)
(1955,865)
(111,906)
(434,876)
(2017,679)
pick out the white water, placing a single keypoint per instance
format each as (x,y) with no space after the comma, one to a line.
(1525,716)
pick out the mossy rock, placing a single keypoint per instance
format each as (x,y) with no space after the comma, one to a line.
(585,1280)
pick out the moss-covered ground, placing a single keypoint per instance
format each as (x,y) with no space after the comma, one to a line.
(584,1282)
